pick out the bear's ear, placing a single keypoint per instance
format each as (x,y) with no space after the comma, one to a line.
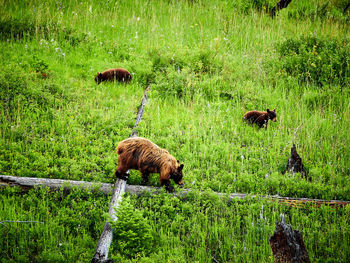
(268,110)
(181,167)
(274,110)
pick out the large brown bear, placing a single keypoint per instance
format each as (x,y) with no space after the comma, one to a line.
(120,74)
(260,117)
(143,155)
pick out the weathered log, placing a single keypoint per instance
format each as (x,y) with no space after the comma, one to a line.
(140,111)
(101,253)
(288,245)
(27,183)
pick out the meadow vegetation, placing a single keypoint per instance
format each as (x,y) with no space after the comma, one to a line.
(207,63)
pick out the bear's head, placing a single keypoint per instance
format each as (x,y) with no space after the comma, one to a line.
(272,115)
(177,174)
(98,78)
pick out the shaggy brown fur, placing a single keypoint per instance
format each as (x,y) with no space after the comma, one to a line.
(120,74)
(260,117)
(143,155)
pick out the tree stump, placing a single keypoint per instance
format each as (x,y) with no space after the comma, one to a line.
(280,5)
(288,245)
(295,164)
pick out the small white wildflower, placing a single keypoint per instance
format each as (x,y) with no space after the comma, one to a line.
(242,156)
(266,175)
(138,19)
(110,52)
(262,212)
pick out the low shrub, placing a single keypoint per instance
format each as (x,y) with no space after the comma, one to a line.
(315,60)
(132,235)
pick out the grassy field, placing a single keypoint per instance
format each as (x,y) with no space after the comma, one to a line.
(207,62)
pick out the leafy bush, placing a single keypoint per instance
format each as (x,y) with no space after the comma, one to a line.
(332,10)
(316,60)
(132,234)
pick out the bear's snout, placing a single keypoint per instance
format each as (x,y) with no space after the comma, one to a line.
(274,119)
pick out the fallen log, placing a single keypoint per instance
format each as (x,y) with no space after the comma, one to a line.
(140,111)
(101,253)
(55,184)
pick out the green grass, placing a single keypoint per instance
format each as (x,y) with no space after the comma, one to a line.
(207,63)
(201,227)
(69,225)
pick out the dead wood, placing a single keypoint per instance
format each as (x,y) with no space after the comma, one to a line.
(101,253)
(280,5)
(288,245)
(295,163)
(27,183)
(140,111)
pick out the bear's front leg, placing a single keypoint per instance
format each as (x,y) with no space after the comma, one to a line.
(145,178)
(121,175)
(166,183)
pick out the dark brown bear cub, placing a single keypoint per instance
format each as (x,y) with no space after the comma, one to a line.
(143,155)
(260,117)
(119,74)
